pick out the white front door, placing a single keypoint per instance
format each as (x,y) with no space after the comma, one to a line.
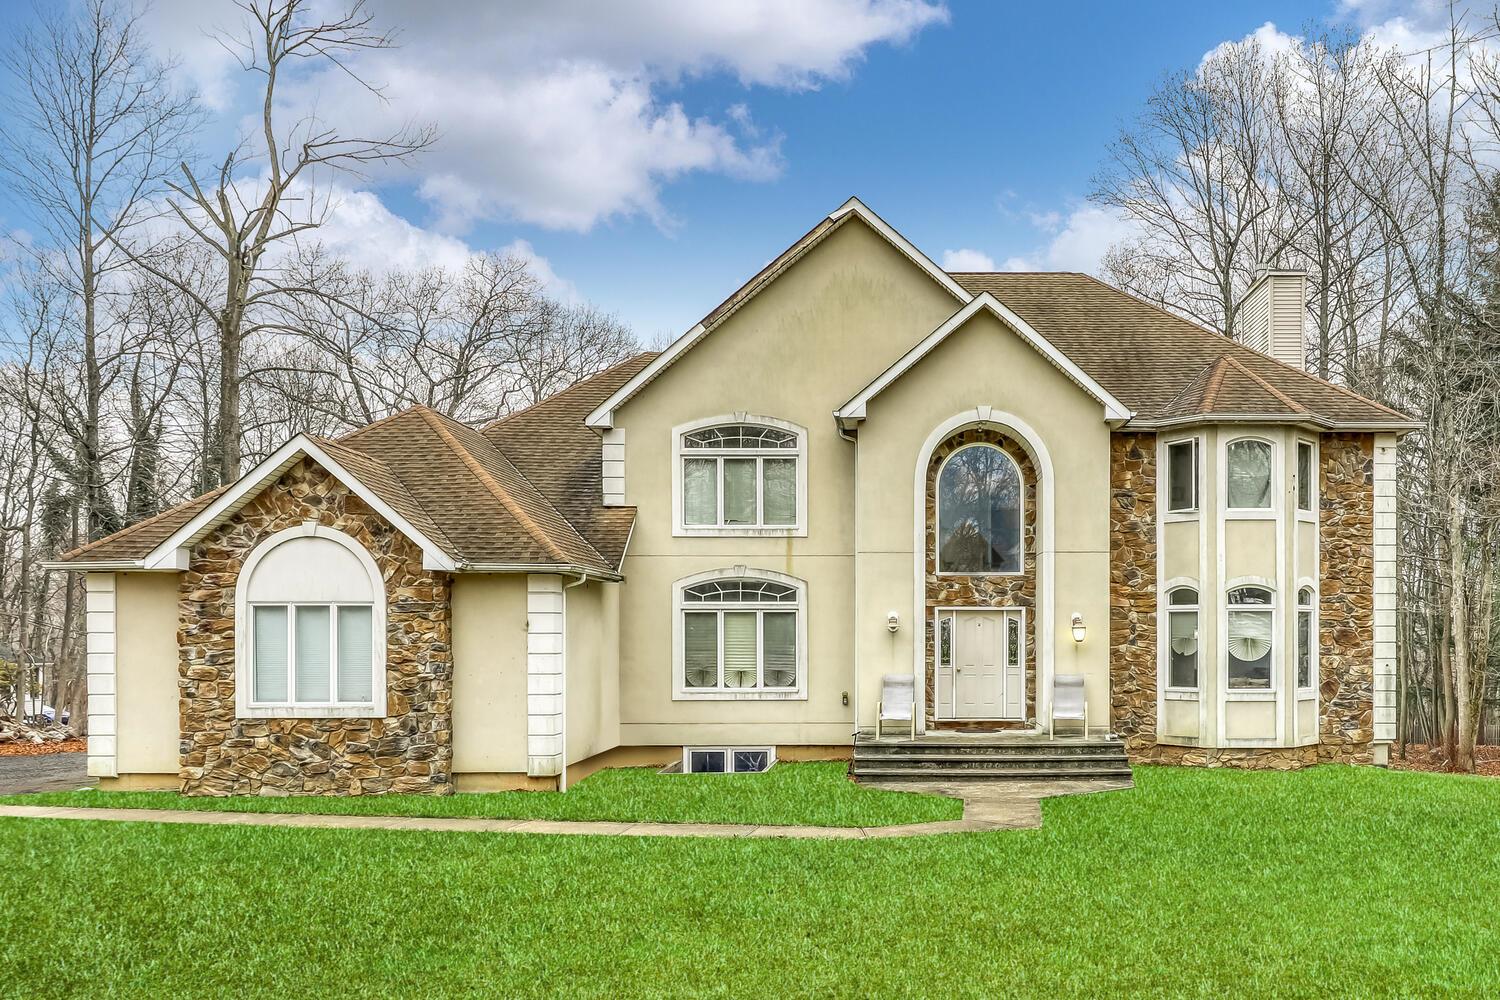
(987,679)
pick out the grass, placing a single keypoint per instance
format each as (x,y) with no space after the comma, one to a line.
(1329,882)
(807,794)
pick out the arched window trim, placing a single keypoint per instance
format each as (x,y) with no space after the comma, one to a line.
(1165,610)
(245,706)
(680,689)
(680,527)
(937,511)
(1251,513)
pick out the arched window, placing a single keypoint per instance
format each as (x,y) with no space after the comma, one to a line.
(979,512)
(1182,639)
(1250,638)
(740,476)
(740,634)
(1307,638)
(310,627)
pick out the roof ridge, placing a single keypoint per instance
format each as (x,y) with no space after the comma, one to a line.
(1215,383)
(143,522)
(1290,403)
(495,488)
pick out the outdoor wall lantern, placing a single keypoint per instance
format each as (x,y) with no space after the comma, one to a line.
(892,622)
(1079,629)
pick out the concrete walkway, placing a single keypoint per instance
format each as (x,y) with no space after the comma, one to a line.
(988,805)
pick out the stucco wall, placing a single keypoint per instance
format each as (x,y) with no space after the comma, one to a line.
(489,673)
(592,613)
(146,673)
(832,322)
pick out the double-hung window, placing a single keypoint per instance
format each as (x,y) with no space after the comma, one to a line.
(741,477)
(739,637)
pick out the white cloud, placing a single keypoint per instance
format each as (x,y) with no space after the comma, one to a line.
(559,114)
(1271,39)
(1086,233)
(967,260)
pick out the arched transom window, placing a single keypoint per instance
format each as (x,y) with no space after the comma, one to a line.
(979,512)
(742,476)
(310,627)
(739,636)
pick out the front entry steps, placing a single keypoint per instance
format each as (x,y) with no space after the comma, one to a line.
(946,755)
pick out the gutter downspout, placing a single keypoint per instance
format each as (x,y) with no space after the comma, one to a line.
(562,778)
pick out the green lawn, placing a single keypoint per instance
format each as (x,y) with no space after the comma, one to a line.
(1330,882)
(810,794)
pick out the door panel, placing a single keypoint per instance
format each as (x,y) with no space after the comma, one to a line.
(987,675)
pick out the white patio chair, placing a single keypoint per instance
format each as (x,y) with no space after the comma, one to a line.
(1068,703)
(898,702)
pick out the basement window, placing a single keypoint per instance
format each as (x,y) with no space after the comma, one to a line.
(727,760)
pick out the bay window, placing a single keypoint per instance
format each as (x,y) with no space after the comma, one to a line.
(1307,638)
(1249,637)
(1307,482)
(1182,476)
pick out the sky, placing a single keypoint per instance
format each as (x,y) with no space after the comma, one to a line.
(649,156)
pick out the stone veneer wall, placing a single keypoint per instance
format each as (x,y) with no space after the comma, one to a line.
(1011,591)
(1132,589)
(1346,599)
(410,750)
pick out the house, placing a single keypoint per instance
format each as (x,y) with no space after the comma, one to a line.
(857,465)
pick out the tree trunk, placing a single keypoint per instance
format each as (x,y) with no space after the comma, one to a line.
(1461,750)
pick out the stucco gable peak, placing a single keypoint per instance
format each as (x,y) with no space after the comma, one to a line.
(854,410)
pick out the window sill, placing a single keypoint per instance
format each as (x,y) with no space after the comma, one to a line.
(686,695)
(1307,516)
(1172,516)
(310,712)
(1307,694)
(735,531)
(1180,694)
(1248,514)
(1253,695)
(957,575)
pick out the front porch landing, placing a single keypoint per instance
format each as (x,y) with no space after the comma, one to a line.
(944,755)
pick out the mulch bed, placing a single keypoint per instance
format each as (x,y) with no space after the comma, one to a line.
(1421,757)
(40,749)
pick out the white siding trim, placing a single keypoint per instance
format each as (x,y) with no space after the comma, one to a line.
(614,467)
(1385,588)
(99,590)
(545,657)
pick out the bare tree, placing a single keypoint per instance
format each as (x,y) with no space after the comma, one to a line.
(242,219)
(87,147)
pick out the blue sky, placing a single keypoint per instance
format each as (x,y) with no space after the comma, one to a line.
(652,156)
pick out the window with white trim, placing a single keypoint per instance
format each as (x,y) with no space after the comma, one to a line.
(741,476)
(1182,476)
(740,635)
(1182,639)
(1307,477)
(1249,638)
(979,512)
(1248,472)
(1307,638)
(310,635)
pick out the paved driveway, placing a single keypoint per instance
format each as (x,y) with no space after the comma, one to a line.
(52,772)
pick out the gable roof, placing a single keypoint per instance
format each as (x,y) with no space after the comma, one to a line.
(453,490)
(1154,361)
(1114,410)
(603,414)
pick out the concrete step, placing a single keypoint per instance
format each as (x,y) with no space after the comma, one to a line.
(946,774)
(992,749)
(959,761)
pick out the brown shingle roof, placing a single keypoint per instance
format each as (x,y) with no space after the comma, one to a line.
(553,448)
(1150,359)
(141,537)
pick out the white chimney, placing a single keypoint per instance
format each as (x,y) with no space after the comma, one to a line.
(1271,313)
